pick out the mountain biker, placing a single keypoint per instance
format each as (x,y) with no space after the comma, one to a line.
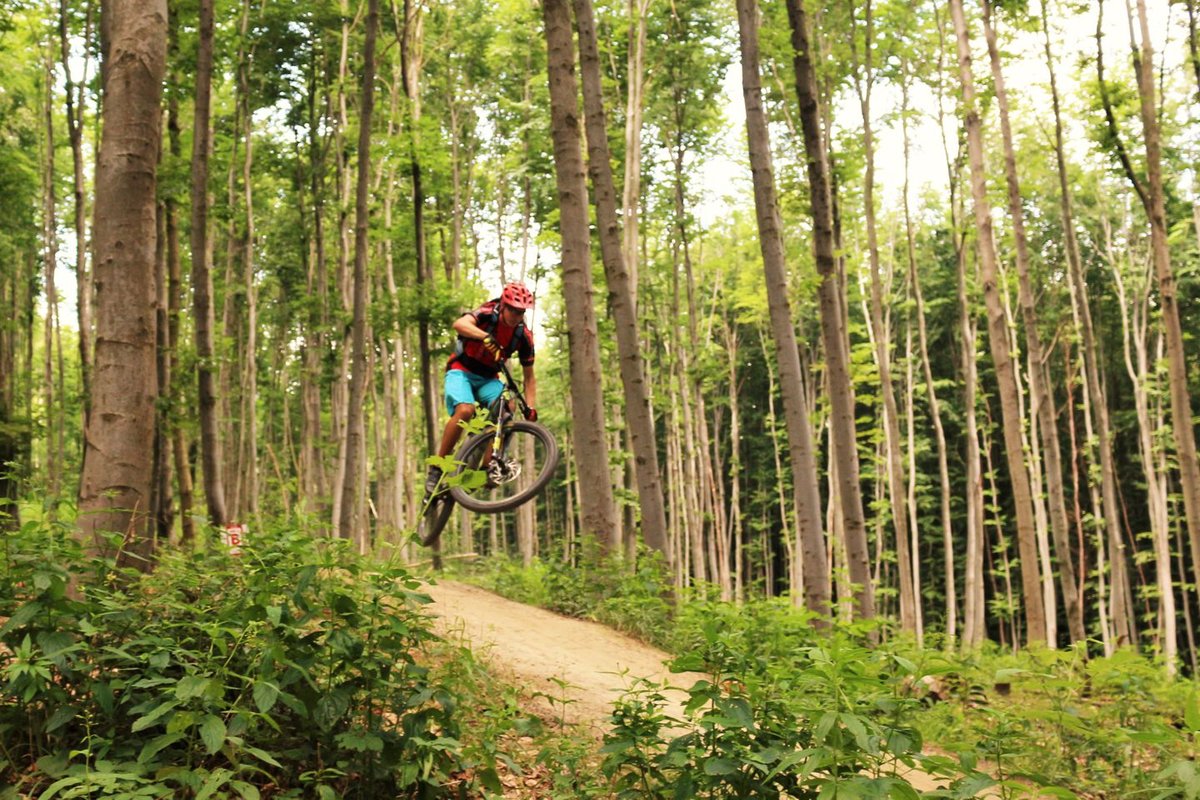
(487,336)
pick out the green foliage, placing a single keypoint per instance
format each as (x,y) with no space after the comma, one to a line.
(295,668)
(784,712)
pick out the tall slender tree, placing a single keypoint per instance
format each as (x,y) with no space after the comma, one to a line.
(831,295)
(805,493)
(1047,417)
(597,510)
(621,290)
(350,524)
(1035,612)
(1154,201)
(204,322)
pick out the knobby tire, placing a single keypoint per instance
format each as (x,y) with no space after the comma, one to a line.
(433,520)
(472,451)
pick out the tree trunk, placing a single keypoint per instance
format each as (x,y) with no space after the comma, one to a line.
(1156,209)
(639,417)
(178,441)
(115,485)
(411,64)
(204,321)
(634,104)
(935,413)
(248,427)
(1140,366)
(864,83)
(597,509)
(833,335)
(1035,612)
(83,278)
(1043,400)
(53,423)
(352,523)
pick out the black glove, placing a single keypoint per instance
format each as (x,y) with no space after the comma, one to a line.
(531,414)
(493,348)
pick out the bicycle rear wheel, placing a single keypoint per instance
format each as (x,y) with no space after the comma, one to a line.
(525,464)
(434,517)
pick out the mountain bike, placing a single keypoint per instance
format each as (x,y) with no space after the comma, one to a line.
(503,466)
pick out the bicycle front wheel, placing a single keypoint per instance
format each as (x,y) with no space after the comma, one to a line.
(515,472)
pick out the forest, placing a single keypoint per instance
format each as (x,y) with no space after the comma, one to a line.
(883,309)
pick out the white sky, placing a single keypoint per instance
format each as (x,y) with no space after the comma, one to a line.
(1026,79)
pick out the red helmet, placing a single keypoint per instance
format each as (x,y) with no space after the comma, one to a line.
(516,295)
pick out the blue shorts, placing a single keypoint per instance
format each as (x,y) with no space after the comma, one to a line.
(467,387)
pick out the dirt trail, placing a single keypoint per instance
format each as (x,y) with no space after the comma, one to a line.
(582,663)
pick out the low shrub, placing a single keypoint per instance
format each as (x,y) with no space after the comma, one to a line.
(293,671)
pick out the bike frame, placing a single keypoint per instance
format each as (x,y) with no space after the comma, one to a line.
(505,413)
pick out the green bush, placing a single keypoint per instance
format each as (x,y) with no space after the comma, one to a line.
(294,669)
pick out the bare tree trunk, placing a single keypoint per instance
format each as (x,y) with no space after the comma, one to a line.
(115,485)
(411,58)
(833,333)
(54,454)
(178,441)
(248,458)
(734,470)
(211,457)
(621,290)
(83,278)
(864,83)
(1035,612)
(935,413)
(1156,209)
(587,411)
(352,523)
(634,104)
(1043,400)
(1139,364)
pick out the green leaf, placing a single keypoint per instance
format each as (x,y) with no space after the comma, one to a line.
(825,725)
(1191,714)
(60,717)
(902,790)
(265,695)
(719,766)
(154,716)
(262,755)
(212,732)
(216,779)
(190,686)
(360,742)
(324,792)
(490,780)
(22,615)
(152,747)
(246,790)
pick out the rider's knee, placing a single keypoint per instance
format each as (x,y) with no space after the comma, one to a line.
(464,411)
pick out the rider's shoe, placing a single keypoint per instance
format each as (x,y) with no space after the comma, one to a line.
(433,479)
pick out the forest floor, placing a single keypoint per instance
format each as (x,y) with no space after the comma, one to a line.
(571,670)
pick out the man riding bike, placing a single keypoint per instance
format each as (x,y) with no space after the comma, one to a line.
(487,336)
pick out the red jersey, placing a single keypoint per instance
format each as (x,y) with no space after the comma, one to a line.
(471,356)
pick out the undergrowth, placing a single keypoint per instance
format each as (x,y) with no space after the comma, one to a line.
(299,670)
(785,710)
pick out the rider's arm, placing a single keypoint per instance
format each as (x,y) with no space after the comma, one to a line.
(465,327)
(530,386)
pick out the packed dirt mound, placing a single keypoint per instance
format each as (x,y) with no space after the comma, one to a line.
(576,669)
